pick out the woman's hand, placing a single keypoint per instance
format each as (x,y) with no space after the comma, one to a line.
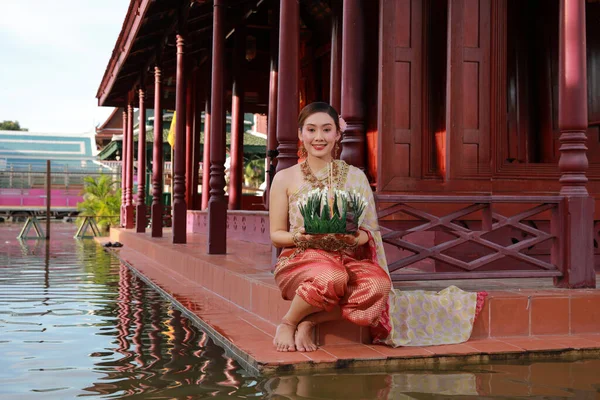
(326,241)
(350,239)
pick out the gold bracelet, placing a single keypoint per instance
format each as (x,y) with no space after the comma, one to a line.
(300,244)
(353,246)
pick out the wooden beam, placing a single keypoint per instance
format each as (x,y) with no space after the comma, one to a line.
(217,207)
(140,214)
(116,64)
(129,178)
(179,204)
(157,159)
(287,91)
(578,218)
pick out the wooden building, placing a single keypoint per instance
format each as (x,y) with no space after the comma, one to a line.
(477,121)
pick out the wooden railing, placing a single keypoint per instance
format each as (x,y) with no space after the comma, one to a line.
(115,166)
(167,221)
(474,240)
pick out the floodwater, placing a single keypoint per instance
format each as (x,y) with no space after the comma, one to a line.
(75,323)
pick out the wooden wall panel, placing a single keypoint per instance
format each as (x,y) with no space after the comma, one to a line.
(593,61)
(470,103)
(401,13)
(401,168)
(593,80)
(435,44)
(593,136)
(371,10)
(469,89)
(471,26)
(401,91)
(402,102)
(470,158)
(531,63)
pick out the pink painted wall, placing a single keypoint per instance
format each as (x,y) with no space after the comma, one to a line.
(37,197)
(250,226)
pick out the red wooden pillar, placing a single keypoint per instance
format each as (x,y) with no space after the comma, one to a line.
(287,93)
(189,142)
(179,205)
(206,151)
(157,157)
(335,84)
(272,112)
(353,83)
(198,107)
(129,183)
(217,206)
(578,268)
(140,210)
(237,121)
(123,166)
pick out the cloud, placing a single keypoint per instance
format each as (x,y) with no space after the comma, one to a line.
(54,56)
(60,25)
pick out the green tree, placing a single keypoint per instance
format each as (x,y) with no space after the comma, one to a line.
(102,199)
(11,126)
(254,173)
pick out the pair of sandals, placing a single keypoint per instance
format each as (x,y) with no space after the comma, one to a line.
(115,244)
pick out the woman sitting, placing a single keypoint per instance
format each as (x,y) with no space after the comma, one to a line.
(333,276)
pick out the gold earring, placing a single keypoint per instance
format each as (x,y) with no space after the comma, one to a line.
(302,153)
(336,150)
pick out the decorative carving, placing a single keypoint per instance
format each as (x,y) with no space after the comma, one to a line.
(463,234)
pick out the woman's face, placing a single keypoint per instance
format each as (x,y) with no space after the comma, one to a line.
(319,135)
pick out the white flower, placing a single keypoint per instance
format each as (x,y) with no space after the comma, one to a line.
(343,124)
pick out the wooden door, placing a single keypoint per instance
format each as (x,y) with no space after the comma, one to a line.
(468,123)
(428,73)
(401,84)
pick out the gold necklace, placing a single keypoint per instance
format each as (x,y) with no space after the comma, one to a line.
(332,177)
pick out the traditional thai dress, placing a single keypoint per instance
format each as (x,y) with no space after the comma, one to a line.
(358,281)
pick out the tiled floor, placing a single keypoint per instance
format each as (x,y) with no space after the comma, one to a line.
(234,298)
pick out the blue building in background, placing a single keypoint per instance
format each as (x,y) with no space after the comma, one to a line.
(21,150)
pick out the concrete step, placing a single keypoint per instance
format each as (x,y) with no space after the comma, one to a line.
(242,277)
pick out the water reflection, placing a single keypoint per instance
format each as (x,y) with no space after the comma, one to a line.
(576,379)
(74,322)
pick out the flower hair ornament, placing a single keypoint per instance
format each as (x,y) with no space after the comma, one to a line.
(343,124)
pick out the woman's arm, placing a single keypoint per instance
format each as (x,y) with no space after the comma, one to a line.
(278,212)
(278,218)
(363,237)
(369,222)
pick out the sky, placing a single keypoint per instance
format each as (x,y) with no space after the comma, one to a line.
(52,58)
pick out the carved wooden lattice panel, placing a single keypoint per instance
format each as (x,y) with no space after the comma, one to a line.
(455,232)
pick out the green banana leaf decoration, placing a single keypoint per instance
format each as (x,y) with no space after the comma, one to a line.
(343,216)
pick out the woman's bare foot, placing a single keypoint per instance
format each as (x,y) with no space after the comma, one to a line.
(304,336)
(284,336)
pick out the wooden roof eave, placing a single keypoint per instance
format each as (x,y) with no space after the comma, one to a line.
(125,74)
(122,48)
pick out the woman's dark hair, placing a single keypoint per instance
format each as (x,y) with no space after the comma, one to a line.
(318,107)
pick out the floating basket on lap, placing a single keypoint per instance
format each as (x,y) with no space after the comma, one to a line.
(337,212)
